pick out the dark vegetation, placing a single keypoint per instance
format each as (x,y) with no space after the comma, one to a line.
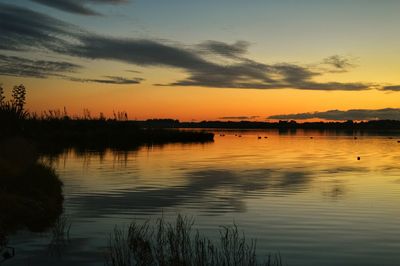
(97,134)
(30,192)
(373,126)
(161,243)
(55,130)
(60,235)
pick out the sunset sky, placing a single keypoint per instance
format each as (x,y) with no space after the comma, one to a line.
(205,60)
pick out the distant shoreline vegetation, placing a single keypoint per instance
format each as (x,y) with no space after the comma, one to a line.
(55,130)
(356,126)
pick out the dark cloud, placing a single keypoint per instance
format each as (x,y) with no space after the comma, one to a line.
(338,63)
(239,117)
(77,6)
(253,75)
(391,88)
(229,50)
(353,114)
(21,67)
(136,51)
(25,29)
(111,80)
(134,71)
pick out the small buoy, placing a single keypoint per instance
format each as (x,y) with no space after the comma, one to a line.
(240,136)
(355,137)
(358,158)
(265,137)
(259,137)
(398,141)
(311,137)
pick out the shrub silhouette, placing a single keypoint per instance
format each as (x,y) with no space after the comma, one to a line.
(12,112)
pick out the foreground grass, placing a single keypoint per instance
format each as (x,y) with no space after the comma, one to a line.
(161,243)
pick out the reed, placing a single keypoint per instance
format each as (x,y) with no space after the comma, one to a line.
(162,243)
(60,235)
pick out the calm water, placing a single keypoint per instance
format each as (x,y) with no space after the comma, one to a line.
(308,198)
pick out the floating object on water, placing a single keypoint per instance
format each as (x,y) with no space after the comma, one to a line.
(265,137)
(259,137)
(311,137)
(240,136)
(358,158)
(355,137)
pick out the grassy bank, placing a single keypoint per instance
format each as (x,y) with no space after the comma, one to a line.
(31,193)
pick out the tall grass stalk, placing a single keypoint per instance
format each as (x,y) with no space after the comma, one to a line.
(60,235)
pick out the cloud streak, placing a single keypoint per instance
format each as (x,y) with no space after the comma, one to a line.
(77,6)
(21,67)
(111,80)
(239,117)
(391,88)
(234,50)
(353,114)
(24,29)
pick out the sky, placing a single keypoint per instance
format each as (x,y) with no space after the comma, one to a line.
(205,60)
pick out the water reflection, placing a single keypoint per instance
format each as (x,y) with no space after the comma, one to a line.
(221,190)
(310,199)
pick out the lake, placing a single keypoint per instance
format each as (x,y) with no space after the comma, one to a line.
(302,194)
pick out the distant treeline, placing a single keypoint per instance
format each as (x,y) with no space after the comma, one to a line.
(373,125)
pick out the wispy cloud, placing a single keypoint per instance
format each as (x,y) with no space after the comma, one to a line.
(22,67)
(111,80)
(239,117)
(77,6)
(23,29)
(236,49)
(338,63)
(353,114)
(391,88)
